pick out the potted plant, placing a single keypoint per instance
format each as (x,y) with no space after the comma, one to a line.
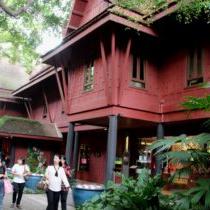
(37,164)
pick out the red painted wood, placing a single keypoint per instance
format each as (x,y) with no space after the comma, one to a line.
(105,71)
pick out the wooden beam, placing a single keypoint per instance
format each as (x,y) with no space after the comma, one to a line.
(27,110)
(25,136)
(105,71)
(136,26)
(125,67)
(93,25)
(60,89)
(69,92)
(47,105)
(30,108)
(113,71)
(65,87)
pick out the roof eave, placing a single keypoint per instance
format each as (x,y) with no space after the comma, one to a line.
(92,26)
(26,136)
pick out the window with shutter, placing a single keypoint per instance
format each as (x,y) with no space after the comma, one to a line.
(195,66)
(89,76)
(138,70)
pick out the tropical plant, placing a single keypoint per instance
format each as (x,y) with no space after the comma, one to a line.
(194,158)
(142,193)
(196,198)
(36,161)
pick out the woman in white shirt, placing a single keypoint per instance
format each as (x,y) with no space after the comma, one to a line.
(19,171)
(55,176)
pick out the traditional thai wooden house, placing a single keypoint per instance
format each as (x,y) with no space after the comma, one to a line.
(18,131)
(119,73)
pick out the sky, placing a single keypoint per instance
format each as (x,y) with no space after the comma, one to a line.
(50,41)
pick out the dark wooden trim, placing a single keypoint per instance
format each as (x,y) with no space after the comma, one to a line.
(30,108)
(27,110)
(26,136)
(60,89)
(65,88)
(93,25)
(47,105)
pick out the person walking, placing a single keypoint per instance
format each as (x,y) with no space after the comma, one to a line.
(55,176)
(64,190)
(19,171)
(2,177)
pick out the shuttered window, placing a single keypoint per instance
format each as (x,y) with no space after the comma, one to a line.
(89,76)
(138,71)
(195,66)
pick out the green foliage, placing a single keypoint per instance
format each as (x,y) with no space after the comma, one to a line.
(140,194)
(197,198)
(194,159)
(36,161)
(20,36)
(187,12)
(193,103)
(194,10)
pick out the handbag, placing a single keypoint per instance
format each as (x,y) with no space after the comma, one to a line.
(43,185)
(8,188)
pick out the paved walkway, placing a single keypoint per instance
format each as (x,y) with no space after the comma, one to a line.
(31,202)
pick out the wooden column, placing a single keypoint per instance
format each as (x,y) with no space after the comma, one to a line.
(76,151)
(12,154)
(70,144)
(111,147)
(160,135)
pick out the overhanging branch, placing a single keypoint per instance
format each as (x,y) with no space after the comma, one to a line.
(13,13)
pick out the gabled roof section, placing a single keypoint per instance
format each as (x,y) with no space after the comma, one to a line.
(25,128)
(83,11)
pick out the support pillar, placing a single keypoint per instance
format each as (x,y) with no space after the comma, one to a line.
(76,151)
(111,147)
(160,135)
(12,154)
(70,144)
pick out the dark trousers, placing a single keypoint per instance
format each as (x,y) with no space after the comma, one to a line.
(64,195)
(18,192)
(52,199)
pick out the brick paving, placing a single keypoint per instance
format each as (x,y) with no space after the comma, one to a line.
(31,202)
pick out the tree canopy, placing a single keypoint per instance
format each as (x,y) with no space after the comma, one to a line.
(22,24)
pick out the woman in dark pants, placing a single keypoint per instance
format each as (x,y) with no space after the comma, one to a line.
(55,176)
(19,171)
(64,190)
